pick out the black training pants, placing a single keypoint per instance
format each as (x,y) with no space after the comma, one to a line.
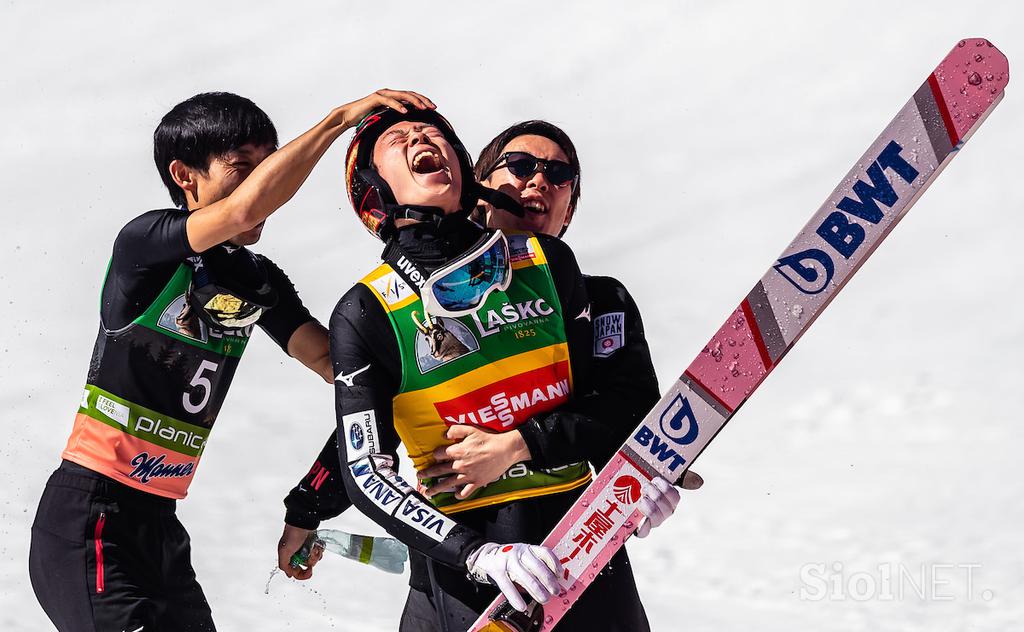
(108,558)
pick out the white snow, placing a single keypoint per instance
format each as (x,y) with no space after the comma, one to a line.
(709,133)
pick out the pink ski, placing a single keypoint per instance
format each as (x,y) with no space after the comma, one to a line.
(869,202)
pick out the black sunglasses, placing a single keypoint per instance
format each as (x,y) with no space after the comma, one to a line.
(523,165)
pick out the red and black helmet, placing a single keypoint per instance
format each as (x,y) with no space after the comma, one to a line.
(371,197)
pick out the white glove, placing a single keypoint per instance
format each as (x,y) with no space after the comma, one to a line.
(534,568)
(658,502)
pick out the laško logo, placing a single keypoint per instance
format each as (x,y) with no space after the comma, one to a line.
(509,402)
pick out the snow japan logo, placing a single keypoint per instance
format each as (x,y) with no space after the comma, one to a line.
(626,489)
(507,403)
(609,334)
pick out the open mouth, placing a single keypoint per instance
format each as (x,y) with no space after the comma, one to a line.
(427,161)
(535,205)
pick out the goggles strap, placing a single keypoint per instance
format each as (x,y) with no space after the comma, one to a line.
(414,275)
(405,266)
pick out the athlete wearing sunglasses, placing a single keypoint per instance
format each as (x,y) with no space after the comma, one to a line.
(623,378)
(438,338)
(523,164)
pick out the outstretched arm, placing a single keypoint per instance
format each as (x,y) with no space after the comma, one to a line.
(275,180)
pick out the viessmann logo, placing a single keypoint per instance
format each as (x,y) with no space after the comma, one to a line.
(510,402)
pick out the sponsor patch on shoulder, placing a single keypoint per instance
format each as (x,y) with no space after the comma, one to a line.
(360,433)
(609,333)
(392,288)
(521,248)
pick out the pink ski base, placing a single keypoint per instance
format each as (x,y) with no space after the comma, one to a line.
(731,365)
(969,79)
(965,86)
(555,609)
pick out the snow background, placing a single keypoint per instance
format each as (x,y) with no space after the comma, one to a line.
(709,134)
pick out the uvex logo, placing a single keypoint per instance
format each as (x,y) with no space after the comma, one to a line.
(509,402)
(411,271)
(811,270)
(491,321)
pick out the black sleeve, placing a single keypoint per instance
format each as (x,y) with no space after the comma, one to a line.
(366,362)
(572,293)
(281,321)
(145,255)
(623,383)
(152,239)
(320,494)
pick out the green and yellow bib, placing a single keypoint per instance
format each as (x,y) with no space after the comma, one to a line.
(493,369)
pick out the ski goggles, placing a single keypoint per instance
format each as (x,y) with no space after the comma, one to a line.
(523,165)
(462,286)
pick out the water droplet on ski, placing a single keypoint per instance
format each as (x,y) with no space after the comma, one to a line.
(978,57)
(734,369)
(979,43)
(989,77)
(797,311)
(628,524)
(548,619)
(565,602)
(961,44)
(974,79)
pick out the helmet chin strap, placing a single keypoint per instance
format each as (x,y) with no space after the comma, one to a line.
(497,199)
(436,215)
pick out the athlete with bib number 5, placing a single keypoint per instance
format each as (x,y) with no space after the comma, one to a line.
(179,301)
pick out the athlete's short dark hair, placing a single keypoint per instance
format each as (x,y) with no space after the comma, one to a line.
(492,152)
(205,127)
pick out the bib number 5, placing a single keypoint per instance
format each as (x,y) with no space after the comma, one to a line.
(202,381)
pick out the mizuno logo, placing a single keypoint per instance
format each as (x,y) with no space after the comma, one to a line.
(349,380)
(585,314)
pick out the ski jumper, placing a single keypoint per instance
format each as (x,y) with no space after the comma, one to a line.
(155,385)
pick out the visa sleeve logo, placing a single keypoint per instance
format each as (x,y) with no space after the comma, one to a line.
(811,270)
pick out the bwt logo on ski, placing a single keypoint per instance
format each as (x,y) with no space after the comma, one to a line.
(678,424)
(811,270)
(509,402)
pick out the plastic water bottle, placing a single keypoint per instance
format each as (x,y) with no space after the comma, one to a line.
(387,554)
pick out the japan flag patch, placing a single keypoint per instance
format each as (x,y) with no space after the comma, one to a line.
(609,333)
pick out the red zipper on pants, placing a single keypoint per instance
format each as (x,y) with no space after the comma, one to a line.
(99,551)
